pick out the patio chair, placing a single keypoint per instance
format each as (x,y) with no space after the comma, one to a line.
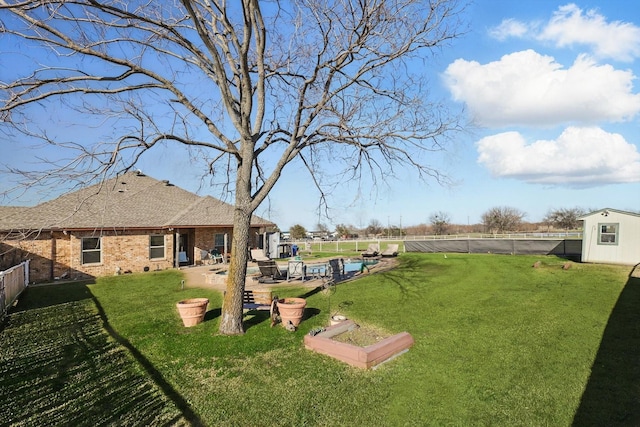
(270,272)
(217,256)
(391,250)
(372,250)
(258,255)
(211,257)
(337,269)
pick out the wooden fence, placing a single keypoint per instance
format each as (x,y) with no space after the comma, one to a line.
(12,282)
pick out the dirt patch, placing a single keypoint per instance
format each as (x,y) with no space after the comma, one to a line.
(362,336)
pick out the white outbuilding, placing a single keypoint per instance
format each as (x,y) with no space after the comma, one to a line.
(611,236)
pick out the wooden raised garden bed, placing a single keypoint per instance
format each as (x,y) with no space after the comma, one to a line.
(361,357)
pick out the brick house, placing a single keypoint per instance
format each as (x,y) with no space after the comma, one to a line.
(130,223)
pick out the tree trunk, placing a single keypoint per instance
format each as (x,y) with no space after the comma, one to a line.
(232,313)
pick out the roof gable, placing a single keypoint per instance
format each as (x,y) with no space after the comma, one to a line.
(607,211)
(132,200)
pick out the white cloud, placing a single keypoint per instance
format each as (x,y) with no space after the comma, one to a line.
(509,28)
(579,157)
(526,88)
(569,26)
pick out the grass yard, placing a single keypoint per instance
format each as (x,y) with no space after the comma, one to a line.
(497,342)
(59,366)
(347,247)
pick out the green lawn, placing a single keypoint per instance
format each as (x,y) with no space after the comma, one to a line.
(497,342)
(347,247)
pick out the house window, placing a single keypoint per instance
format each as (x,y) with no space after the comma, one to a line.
(91,250)
(608,234)
(156,246)
(218,242)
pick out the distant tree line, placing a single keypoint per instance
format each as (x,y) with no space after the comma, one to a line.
(497,220)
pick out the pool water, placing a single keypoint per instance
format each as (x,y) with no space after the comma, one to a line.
(351,266)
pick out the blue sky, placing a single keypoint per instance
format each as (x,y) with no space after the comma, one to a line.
(550,92)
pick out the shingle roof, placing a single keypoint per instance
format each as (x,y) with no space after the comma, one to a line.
(6,211)
(131,200)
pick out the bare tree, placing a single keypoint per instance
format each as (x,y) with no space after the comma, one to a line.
(501,219)
(323,229)
(374,228)
(246,86)
(564,218)
(344,230)
(440,222)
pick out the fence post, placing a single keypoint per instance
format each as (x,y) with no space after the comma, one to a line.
(26,273)
(3,296)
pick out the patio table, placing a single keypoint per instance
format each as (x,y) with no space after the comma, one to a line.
(295,269)
(318,271)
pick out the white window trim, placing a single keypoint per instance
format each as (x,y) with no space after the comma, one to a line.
(164,246)
(616,234)
(83,251)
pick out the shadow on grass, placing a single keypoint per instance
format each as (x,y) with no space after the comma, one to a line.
(54,294)
(157,377)
(212,314)
(258,316)
(405,284)
(47,296)
(612,394)
(56,358)
(255,318)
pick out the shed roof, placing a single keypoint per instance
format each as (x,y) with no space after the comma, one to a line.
(606,210)
(132,200)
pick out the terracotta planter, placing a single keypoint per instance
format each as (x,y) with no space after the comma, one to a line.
(291,310)
(192,310)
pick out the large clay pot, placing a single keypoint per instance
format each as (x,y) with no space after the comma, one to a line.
(291,310)
(192,310)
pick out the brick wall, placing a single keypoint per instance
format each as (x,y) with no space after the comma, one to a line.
(58,255)
(122,252)
(205,240)
(37,247)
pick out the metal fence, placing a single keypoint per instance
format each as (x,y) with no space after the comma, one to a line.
(521,235)
(358,245)
(12,282)
(561,247)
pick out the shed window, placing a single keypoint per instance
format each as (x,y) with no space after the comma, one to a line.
(91,250)
(156,246)
(608,234)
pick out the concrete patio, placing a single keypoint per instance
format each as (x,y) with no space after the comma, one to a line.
(213,277)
